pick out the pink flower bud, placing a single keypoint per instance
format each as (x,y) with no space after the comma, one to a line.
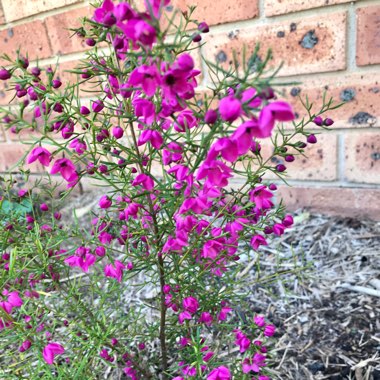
(211,116)
(44,207)
(318,121)
(328,122)
(117,132)
(84,110)
(203,27)
(311,139)
(4,74)
(280,168)
(56,83)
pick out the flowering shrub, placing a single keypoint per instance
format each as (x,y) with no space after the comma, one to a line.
(186,204)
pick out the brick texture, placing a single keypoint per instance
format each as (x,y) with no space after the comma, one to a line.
(221,12)
(320,163)
(21,36)
(277,7)
(355,203)
(362,154)
(19,9)
(368,35)
(10,156)
(61,38)
(360,94)
(310,45)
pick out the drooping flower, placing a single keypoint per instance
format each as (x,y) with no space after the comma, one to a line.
(115,271)
(82,258)
(65,167)
(79,146)
(275,111)
(41,154)
(257,240)
(13,300)
(144,180)
(220,373)
(51,350)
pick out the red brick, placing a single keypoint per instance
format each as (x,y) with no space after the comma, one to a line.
(320,163)
(277,7)
(61,38)
(362,156)
(12,154)
(316,45)
(30,37)
(348,202)
(368,35)
(18,9)
(221,12)
(360,92)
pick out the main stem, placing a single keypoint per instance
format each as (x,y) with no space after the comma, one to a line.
(161,270)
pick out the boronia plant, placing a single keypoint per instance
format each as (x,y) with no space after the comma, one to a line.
(155,286)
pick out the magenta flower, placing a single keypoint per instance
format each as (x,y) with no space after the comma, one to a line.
(51,350)
(97,106)
(185,120)
(25,346)
(82,258)
(117,132)
(230,108)
(139,31)
(145,181)
(190,304)
(4,74)
(40,154)
(65,167)
(153,136)
(276,111)
(222,316)
(13,300)
(105,202)
(79,146)
(269,330)
(259,320)
(220,373)
(146,76)
(227,147)
(257,240)
(261,197)
(254,363)
(242,341)
(278,229)
(115,271)
(182,316)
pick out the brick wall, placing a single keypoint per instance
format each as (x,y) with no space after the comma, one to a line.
(333,44)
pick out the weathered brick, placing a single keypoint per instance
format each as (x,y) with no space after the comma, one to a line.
(12,154)
(314,44)
(277,7)
(368,35)
(362,157)
(61,38)
(19,9)
(21,36)
(348,202)
(359,92)
(320,163)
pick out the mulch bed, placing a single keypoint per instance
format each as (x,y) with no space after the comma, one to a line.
(325,301)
